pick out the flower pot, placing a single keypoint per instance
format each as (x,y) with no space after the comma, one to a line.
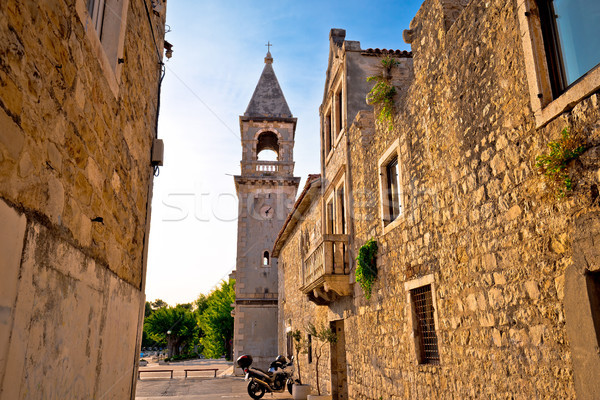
(317,397)
(300,392)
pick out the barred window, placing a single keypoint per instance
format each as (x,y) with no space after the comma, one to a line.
(426,339)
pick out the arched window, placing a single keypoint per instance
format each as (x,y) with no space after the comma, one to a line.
(266,259)
(267,148)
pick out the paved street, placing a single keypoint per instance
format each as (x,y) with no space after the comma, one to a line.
(201,386)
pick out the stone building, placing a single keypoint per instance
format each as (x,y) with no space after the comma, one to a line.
(266,190)
(488,282)
(78,110)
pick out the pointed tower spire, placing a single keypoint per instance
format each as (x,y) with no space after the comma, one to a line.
(268,99)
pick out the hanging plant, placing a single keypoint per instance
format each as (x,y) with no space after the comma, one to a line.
(366,267)
(383,91)
(554,164)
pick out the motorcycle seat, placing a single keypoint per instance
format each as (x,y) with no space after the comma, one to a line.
(263,371)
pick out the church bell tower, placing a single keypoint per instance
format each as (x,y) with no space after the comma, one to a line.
(266,189)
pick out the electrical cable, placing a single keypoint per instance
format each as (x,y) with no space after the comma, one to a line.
(152,31)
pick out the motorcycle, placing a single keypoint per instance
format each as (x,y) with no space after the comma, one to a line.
(276,379)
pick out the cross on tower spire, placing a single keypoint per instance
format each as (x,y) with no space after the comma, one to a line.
(268,58)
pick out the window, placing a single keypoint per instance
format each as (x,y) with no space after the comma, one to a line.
(423,318)
(341,210)
(393,195)
(96,10)
(562,53)
(330,217)
(105,22)
(389,183)
(570,30)
(327,131)
(266,259)
(593,288)
(309,350)
(427,348)
(339,111)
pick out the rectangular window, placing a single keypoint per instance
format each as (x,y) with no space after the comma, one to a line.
(328,134)
(339,111)
(342,210)
(330,217)
(593,287)
(96,10)
(331,129)
(393,188)
(570,30)
(424,325)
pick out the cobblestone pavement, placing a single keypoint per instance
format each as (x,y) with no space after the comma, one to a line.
(154,385)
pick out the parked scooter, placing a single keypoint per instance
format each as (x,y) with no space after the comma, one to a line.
(276,379)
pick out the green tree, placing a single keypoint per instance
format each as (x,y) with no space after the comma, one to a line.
(175,326)
(216,321)
(159,303)
(148,309)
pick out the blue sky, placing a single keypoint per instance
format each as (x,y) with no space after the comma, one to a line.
(219,47)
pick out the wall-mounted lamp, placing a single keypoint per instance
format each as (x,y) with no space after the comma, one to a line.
(168,49)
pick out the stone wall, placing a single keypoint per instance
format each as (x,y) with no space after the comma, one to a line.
(509,259)
(76,132)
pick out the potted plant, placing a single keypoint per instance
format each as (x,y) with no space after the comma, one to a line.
(325,336)
(299,390)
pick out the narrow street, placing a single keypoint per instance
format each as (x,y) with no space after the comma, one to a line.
(198,386)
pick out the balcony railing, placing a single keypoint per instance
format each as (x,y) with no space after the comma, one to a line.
(326,269)
(268,167)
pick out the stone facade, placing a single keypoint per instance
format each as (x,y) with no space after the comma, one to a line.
(512,269)
(266,191)
(77,122)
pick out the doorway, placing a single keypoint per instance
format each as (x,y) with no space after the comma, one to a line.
(339,375)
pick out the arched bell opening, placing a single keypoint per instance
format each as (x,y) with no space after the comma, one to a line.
(267,148)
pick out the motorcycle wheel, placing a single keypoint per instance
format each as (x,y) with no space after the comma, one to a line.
(255,390)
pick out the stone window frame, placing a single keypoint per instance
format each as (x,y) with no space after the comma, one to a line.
(393,151)
(545,107)
(411,317)
(110,69)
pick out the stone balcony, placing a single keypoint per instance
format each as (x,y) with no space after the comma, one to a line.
(326,270)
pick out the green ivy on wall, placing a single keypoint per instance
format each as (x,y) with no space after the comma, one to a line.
(366,268)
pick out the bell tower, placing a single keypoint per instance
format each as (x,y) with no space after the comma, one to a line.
(266,189)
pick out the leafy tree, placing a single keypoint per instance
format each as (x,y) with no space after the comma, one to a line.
(148,309)
(159,303)
(200,304)
(174,325)
(325,336)
(216,321)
